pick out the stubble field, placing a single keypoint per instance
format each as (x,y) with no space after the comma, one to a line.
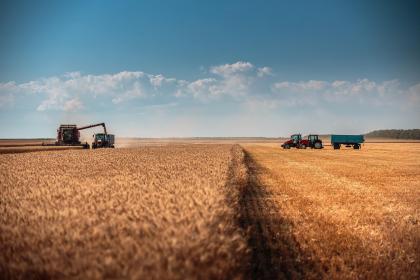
(211,211)
(346,213)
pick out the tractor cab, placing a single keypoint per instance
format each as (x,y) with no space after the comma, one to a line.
(314,141)
(296,138)
(102,140)
(312,138)
(294,141)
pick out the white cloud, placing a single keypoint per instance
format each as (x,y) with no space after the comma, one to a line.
(202,88)
(135,92)
(231,69)
(158,80)
(233,80)
(301,86)
(60,92)
(362,91)
(239,82)
(66,92)
(235,86)
(264,71)
(72,105)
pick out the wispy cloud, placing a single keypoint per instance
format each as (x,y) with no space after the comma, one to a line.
(72,105)
(264,71)
(66,92)
(231,69)
(362,91)
(7,92)
(241,82)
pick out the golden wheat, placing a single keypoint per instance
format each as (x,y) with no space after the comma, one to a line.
(151,212)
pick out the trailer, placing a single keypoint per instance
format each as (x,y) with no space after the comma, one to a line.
(354,141)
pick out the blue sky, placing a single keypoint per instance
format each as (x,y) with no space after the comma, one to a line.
(215,68)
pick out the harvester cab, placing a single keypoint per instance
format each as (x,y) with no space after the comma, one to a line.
(67,134)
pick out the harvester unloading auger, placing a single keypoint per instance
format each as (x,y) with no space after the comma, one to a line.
(69,135)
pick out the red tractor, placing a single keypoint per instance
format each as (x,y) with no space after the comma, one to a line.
(296,141)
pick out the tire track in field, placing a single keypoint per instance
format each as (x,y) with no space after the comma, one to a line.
(275,254)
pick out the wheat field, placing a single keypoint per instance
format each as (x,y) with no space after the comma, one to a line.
(151,212)
(211,211)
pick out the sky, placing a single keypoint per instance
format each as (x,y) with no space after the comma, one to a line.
(209,68)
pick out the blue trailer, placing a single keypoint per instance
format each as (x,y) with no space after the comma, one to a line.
(347,140)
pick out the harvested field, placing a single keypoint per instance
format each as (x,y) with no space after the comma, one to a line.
(152,212)
(335,214)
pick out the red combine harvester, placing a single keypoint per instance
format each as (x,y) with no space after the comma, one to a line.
(296,141)
(69,135)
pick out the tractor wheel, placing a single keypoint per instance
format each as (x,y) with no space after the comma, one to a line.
(303,146)
(318,145)
(356,146)
(287,146)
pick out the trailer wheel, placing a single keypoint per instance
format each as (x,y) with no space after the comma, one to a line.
(356,146)
(336,146)
(318,145)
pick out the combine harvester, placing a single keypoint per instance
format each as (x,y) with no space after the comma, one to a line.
(69,135)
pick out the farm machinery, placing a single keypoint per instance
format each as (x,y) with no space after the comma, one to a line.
(69,135)
(312,141)
(354,141)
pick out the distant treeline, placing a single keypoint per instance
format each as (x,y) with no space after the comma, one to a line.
(396,133)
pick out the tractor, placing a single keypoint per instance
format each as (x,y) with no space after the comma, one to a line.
(102,140)
(296,141)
